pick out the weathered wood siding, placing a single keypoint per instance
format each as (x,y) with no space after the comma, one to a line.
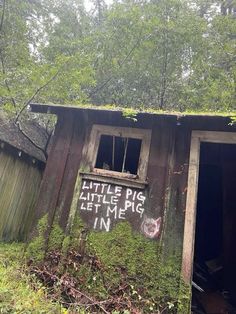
(167,171)
(19,186)
(66,158)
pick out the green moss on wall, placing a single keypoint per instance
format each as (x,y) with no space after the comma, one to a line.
(123,249)
(56,237)
(122,263)
(124,258)
(36,248)
(184,301)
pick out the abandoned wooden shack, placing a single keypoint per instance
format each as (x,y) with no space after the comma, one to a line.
(172,177)
(21,168)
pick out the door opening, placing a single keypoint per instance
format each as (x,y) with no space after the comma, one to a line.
(214,265)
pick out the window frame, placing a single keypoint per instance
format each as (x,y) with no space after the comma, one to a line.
(142,134)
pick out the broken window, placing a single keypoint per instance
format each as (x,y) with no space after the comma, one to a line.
(119,151)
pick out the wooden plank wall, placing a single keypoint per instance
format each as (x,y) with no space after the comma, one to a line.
(161,146)
(66,155)
(71,170)
(54,171)
(167,169)
(19,186)
(176,191)
(158,165)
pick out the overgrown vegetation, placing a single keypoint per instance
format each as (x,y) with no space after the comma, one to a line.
(115,272)
(20,292)
(167,54)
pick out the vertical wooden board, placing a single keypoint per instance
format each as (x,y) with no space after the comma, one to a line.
(176,192)
(190,214)
(15,180)
(23,203)
(27,183)
(13,211)
(30,198)
(3,162)
(54,171)
(161,143)
(7,184)
(71,171)
(7,195)
(84,163)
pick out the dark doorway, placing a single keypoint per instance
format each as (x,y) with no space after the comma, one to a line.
(214,274)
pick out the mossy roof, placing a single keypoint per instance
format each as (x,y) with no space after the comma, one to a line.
(57,108)
(10,134)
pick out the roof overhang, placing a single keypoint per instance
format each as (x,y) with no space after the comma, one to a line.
(57,109)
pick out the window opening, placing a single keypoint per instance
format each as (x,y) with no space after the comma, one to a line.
(119,154)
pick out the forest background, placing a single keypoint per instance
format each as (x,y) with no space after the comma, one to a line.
(173,55)
(166,55)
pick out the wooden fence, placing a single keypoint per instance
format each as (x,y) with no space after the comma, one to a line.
(19,186)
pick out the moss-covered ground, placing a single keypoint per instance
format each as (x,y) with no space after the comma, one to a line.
(120,272)
(108,272)
(20,292)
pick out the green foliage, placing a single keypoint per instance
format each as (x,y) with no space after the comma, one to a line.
(121,260)
(168,55)
(19,292)
(127,259)
(233,120)
(129,113)
(184,297)
(56,238)
(36,247)
(110,248)
(29,71)
(66,243)
(75,233)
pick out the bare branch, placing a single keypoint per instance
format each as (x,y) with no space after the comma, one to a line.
(47,143)
(40,272)
(136,45)
(5,81)
(36,93)
(3,14)
(17,124)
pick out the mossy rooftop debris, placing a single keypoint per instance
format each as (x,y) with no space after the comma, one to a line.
(127,110)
